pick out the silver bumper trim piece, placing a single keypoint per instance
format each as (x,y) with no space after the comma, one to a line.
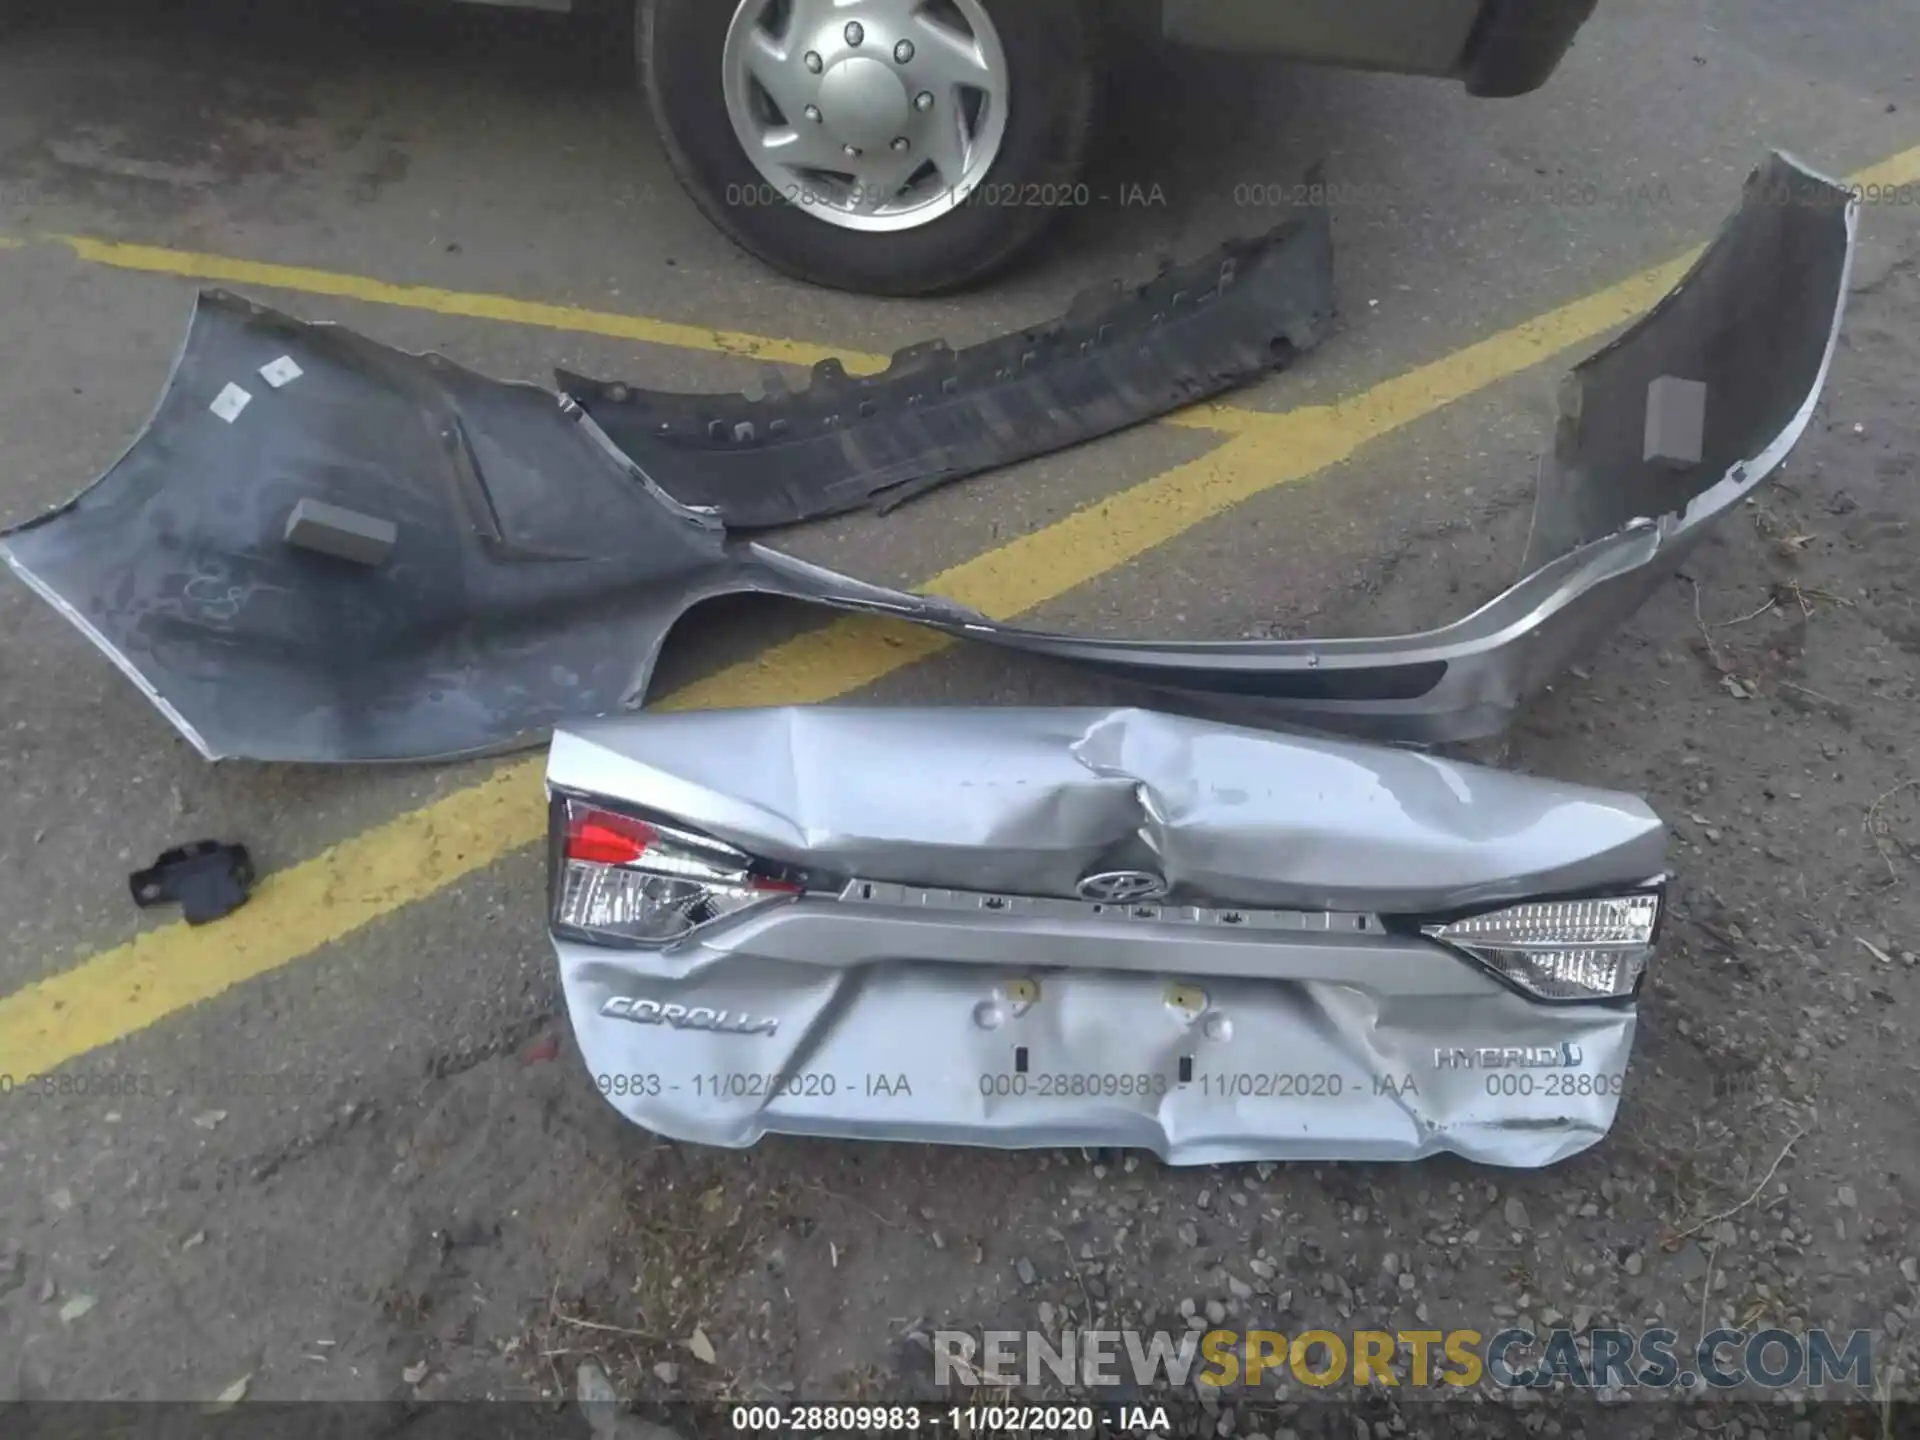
(995,905)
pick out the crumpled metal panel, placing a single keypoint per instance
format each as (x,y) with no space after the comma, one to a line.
(537,570)
(1031,801)
(899,1011)
(935,415)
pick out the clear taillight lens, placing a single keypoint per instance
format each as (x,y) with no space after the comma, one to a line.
(628,881)
(1593,949)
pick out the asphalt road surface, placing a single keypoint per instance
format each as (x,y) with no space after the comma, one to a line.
(360,1159)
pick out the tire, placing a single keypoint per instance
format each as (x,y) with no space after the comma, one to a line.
(1054,65)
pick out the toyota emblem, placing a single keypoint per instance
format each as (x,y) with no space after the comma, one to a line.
(1123,887)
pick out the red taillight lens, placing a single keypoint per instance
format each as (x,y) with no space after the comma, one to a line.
(604,838)
(626,881)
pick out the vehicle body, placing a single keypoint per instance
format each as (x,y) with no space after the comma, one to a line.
(1084,927)
(1495,47)
(913,146)
(910,147)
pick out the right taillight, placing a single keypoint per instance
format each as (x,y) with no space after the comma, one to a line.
(1594,948)
(623,880)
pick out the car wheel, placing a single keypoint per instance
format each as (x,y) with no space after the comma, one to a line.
(898,147)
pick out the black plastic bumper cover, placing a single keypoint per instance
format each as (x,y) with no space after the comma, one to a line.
(1116,358)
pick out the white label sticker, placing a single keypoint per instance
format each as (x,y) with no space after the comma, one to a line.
(281,372)
(230,402)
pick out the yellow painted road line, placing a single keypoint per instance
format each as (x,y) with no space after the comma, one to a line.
(322,900)
(190,265)
(1901,169)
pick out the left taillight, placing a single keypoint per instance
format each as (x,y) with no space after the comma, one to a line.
(622,880)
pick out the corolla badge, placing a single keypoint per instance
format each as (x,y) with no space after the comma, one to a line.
(1123,887)
(689,1017)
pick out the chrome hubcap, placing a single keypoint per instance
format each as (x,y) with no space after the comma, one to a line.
(867,104)
(870,114)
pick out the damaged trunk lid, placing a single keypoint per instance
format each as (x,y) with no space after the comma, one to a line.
(1086,927)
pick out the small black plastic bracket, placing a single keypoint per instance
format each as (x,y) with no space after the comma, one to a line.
(209,878)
